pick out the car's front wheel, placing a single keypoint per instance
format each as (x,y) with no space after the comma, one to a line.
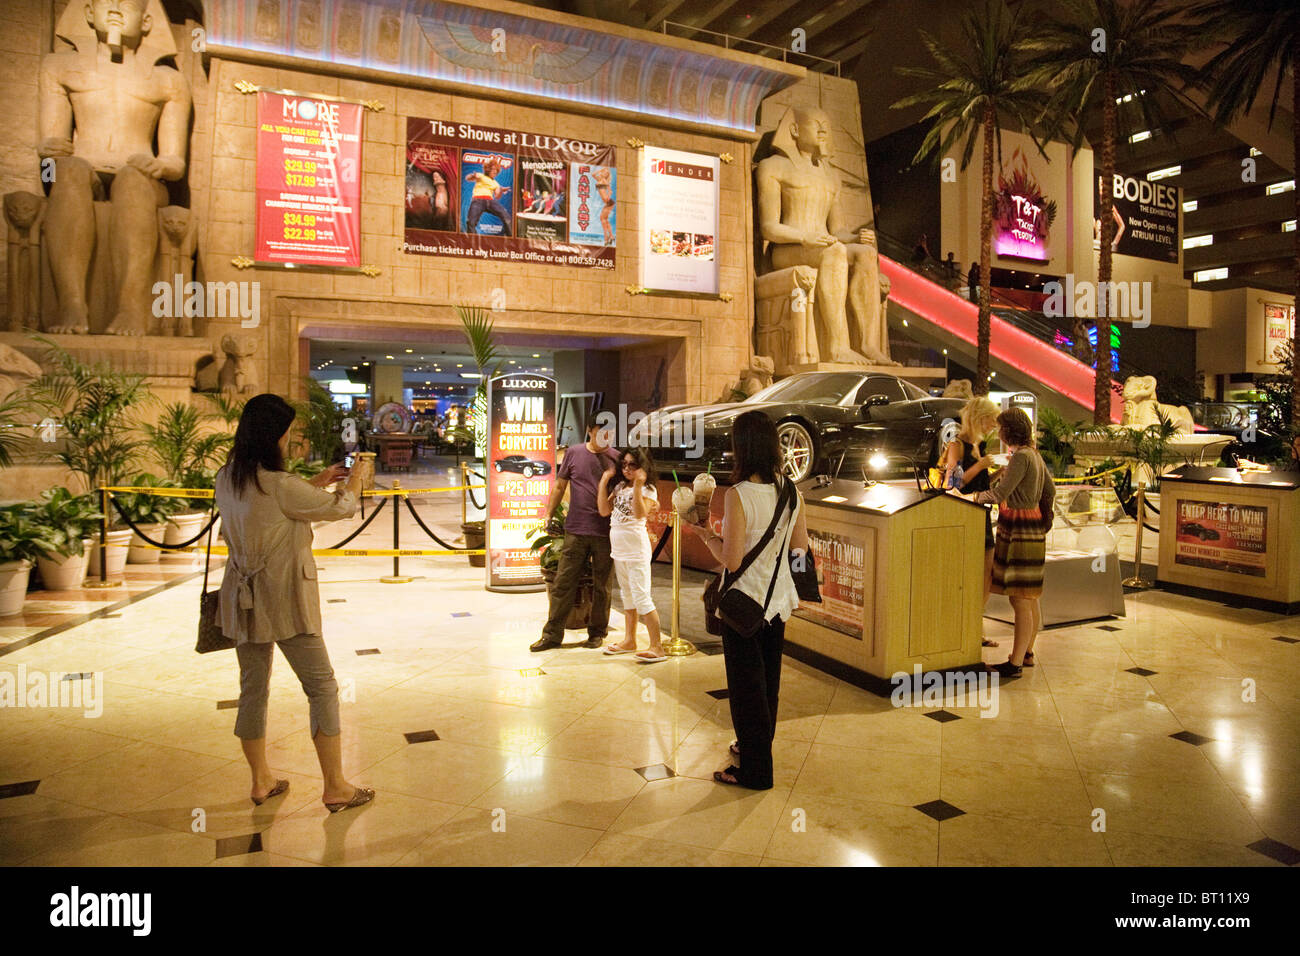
(528,472)
(798,451)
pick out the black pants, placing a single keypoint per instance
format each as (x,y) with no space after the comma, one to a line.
(754,685)
(573,561)
(479,206)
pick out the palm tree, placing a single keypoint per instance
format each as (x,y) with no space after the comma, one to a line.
(1262,38)
(973,88)
(478,327)
(1090,55)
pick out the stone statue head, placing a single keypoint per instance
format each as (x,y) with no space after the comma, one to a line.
(118,24)
(804,130)
(175,220)
(21,209)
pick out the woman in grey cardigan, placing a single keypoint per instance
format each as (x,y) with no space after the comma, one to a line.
(269,594)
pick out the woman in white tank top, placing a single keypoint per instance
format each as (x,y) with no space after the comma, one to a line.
(754,662)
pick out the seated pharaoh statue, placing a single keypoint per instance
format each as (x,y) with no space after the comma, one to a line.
(834,270)
(101,106)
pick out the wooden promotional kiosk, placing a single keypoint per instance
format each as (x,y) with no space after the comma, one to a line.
(901,575)
(1232,535)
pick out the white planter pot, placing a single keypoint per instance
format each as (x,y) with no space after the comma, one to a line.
(116,554)
(13,586)
(181,528)
(65,573)
(140,552)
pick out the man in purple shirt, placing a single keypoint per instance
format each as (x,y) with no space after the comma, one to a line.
(586,537)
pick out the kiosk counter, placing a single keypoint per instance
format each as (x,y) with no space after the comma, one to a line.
(1232,534)
(901,575)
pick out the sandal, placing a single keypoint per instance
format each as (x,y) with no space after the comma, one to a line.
(1029,659)
(1007,670)
(615,649)
(654,658)
(359,799)
(987,643)
(720,776)
(280,787)
(735,747)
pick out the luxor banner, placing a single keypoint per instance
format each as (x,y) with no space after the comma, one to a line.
(520,469)
(1146,217)
(308,180)
(474,192)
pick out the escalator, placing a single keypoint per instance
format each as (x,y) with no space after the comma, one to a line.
(1024,349)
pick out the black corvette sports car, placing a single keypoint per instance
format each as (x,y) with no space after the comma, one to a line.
(847,423)
(524,466)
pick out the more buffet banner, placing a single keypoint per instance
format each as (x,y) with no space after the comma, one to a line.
(474,192)
(308,180)
(679,221)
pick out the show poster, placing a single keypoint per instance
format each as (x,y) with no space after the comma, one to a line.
(1222,537)
(1023,215)
(520,471)
(308,180)
(476,192)
(679,221)
(1279,328)
(1146,217)
(840,573)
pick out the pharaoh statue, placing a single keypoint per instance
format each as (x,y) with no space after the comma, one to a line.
(801,220)
(177,235)
(100,107)
(24,212)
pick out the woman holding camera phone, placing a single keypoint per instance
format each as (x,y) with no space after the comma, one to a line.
(754,662)
(269,594)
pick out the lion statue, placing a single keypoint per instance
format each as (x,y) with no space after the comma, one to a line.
(757,376)
(1141,407)
(959,388)
(236,376)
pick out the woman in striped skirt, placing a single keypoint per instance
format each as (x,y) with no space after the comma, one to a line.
(1020,544)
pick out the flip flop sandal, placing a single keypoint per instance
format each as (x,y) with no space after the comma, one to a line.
(359,799)
(987,643)
(733,772)
(735,748)
(615,649)
(1029,661)
(640,659)
(280,787)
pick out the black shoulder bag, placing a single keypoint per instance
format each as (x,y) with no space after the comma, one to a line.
(211,637)
(724,605)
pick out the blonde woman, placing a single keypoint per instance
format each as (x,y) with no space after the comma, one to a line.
(965,455)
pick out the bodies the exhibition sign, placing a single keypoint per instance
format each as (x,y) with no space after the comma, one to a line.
(474,192)
(1146,218)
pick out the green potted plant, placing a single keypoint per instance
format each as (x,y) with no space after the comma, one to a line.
(22,541)
(188,455)
(150,514)
(95,406)
(71,523)
(549,548)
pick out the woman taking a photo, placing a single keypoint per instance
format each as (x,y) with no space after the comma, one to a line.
(1020,546)
(754,662)
(269,594)
(966,457)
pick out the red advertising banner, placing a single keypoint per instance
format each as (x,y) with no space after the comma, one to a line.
(475,192)
(308,180)
(520,464)
(1222,537)
(840,574)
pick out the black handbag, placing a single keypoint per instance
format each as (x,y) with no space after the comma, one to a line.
(804,571)
(724,606)
(211,637)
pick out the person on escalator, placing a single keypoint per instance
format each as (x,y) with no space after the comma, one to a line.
(973,281)
(966,467)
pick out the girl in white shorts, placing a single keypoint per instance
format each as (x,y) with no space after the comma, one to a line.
(626,500)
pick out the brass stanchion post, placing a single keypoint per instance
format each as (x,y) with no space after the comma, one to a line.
(678,646)
(464,493)
(396,577)
(1137,582)
(103,581)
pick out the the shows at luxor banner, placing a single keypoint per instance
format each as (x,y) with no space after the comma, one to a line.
(1146,218)
(679,221)
(308,180)
(481,193)
(520,464)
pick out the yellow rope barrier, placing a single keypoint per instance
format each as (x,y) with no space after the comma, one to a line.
(1076,481)
(341,552)
(207,492)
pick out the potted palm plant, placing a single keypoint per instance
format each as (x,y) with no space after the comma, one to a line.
(22,541)
(150,513)
(188,455)
(95,406)
(70,522)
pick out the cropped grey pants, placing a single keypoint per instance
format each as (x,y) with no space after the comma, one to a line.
(310,660)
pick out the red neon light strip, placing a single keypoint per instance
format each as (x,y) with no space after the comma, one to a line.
(1008,344)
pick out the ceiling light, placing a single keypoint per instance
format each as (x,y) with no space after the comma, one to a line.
(458,365)
(409,351)
(1164,173)
(1210,275)
(1285,186)
(1255,152)
(1189,206)
(537,355)
(1140,137)
(1288,226)
(1195,242)
(470,375)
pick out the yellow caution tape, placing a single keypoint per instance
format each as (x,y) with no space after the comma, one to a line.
(398,492)
(162,492)
(1076,481)
(342,552)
